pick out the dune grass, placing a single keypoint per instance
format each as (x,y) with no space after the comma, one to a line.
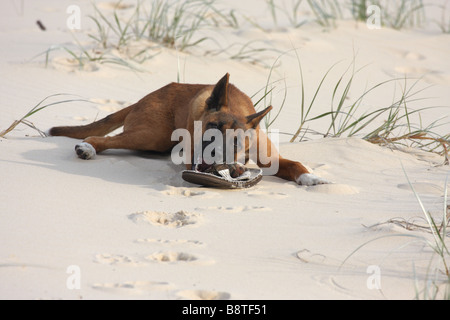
(397,14)
(436,281)
(444,23)
(132,38)
(289,14)
(252,52)
(326,12)
(139,35)
(439,245)
(396,125)
(43,104)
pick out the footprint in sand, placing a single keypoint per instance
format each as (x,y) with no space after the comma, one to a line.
(408,55)
(177,257)
(414,70)
(429,75)
(166,219)
(267,195)
(133,288)
(109,105)
(172,257)
(411,66)
(116,259)
(307,256)
(71,65)
(109,108)
(423,188)
(203,295)
(164,257)
(189,192)
(235,209)
(171,242)
(338,189)
(81,118)
(414,56)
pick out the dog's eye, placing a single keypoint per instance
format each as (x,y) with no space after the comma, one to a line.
(212,125)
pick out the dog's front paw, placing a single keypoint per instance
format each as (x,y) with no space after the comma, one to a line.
(308,179)
(85,151)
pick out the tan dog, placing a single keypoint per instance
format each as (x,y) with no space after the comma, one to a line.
(148,125)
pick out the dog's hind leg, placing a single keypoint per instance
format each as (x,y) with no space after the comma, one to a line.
(131,140)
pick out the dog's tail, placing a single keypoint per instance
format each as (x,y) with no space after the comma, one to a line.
(98,128)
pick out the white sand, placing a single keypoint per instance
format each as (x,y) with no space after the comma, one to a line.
(133,229)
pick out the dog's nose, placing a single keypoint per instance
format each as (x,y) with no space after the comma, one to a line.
(215,152)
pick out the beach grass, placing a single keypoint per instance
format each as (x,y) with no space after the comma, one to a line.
(439,246)
(43,104)
(435,283)
(397,14)
(392,125)
(138,36)
(151,26)
(396,125)
(444,22)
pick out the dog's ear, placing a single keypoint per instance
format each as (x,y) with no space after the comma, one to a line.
(256,118)
(219,96)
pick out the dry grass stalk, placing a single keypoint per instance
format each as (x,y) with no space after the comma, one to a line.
(415,136)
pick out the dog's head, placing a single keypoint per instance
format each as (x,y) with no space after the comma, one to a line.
(228,130)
